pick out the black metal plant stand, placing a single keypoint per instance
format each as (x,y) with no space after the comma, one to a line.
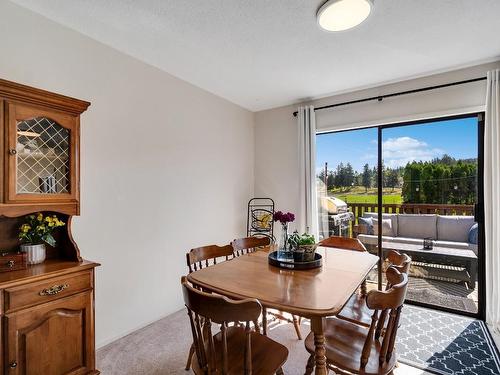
(260,218)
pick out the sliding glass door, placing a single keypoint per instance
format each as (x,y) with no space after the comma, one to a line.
(425,179)
(432,166)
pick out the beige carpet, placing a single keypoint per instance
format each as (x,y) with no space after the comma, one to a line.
(162,347)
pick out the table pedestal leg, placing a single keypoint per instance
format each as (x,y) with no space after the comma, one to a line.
(264,321)
(317,326)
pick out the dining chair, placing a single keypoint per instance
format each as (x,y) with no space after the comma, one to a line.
(343,243)
(235,349)
(250,244)
(202,257)
(346,243)
(351,348)
(356,310)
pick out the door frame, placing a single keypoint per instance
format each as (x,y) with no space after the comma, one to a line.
(479,208)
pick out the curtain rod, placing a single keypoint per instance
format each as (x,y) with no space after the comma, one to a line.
(382,97)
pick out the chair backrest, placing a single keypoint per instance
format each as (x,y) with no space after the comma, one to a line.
(343,243)
(401,262)
(249,244)
(205,309)
(386,303)
(205,256)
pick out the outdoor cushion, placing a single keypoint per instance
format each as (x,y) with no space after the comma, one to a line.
(417,226)
(386,227)
(454,228)
(368,222)
(473,234)
(393,217)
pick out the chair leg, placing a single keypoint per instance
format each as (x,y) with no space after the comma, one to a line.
(256,325)
(190,357)
(297,326)
(310,365)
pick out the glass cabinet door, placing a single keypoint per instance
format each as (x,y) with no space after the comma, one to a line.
(42,153)
(41,165)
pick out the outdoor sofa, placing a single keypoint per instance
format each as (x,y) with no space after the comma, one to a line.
(454,237)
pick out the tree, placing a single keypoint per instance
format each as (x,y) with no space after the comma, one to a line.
(366,177)
(392,178)
(339,175)
(411,183)
(349,175)
(440,181)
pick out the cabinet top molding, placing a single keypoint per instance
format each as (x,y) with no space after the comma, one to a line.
(28,94)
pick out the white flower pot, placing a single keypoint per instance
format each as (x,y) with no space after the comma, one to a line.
(35,253)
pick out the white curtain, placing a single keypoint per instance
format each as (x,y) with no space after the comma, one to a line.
(307,170)
(492,199)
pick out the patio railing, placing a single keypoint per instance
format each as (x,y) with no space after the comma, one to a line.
(412,208)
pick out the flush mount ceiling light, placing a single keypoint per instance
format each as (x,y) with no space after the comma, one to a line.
(340,15)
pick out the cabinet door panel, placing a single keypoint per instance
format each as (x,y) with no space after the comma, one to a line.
(42,155)
(51,339)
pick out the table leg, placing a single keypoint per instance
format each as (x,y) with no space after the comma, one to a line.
(473,273)
(264,321)
(317,326)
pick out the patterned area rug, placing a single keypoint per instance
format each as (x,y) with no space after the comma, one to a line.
(446,344)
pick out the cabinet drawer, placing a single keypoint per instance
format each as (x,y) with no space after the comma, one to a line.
(46,290)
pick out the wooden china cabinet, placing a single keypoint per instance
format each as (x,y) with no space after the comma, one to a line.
(46,310)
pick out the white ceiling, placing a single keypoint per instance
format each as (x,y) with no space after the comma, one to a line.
(267,53)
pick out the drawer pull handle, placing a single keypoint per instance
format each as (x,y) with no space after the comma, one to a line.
(53,290)
(10,263)
(13,364)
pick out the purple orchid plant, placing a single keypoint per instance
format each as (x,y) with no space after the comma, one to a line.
(284,218)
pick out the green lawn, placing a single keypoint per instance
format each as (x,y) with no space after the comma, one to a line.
(386,199)
(358,194)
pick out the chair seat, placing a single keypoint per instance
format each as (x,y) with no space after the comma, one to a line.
(356,311)
(344,345)
(267,355)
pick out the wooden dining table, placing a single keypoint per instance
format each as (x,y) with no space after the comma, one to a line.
(314,294)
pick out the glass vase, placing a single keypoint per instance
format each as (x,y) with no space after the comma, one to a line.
(283,240)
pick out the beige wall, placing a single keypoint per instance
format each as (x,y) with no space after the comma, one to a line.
(165,166)
(276,137)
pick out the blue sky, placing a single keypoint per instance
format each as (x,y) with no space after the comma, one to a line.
(457,138)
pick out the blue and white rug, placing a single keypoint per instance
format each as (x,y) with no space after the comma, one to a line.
(446,344)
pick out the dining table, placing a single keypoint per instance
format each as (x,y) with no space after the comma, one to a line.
(313,294)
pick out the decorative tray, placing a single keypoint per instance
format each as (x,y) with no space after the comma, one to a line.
(290,264)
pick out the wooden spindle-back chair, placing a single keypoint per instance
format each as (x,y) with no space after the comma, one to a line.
(249,244)
(343,243)
(356,309)
(400,261)
(234,350)
(201,257)
(205,256)
(355,349)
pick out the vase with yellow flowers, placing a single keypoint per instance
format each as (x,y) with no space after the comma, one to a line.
(35,233)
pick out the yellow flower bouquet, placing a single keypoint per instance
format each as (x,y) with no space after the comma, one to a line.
(38,229)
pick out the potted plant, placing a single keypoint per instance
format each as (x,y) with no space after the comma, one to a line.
(304,246)
(35,233)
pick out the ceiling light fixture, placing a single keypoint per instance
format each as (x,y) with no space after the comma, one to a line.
(340,15)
